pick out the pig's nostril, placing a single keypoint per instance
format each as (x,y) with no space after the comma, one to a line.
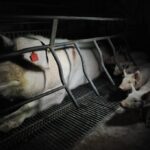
(135,101)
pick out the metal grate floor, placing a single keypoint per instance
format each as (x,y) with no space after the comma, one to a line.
(61,126)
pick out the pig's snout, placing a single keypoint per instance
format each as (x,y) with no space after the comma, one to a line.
(123,104)
(122,88)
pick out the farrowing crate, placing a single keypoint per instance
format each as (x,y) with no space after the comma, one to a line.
(31,25)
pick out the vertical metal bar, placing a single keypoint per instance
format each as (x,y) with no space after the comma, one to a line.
(127,52)
(62,77)
(84,70)
(102,63)
(115,55)
(54,31)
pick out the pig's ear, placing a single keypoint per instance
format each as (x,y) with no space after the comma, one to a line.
(124,72)
(6,44)
(133,88)
(137,75)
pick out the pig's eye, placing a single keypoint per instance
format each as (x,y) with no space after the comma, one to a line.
(135,100)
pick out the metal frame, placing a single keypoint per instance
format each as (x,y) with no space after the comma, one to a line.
(53,47)
(114,52)
(102,63)
(62,77)
(84,70)
(34,17)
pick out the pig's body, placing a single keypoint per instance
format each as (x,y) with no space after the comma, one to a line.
(18,81)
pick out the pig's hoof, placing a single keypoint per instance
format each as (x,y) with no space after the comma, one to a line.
(11,124)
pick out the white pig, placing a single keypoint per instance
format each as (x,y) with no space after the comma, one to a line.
(24,78)
(138,78)
(134,99)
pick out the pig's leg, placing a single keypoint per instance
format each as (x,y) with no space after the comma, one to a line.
(16,118)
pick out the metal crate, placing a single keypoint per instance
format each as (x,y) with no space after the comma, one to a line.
(61,125)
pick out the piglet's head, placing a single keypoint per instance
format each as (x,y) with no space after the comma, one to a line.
(129,79)
(133,101)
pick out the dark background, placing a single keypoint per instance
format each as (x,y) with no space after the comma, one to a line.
(136,11)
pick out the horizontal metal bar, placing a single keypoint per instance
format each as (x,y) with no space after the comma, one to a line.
(31,99)
(65,46)
(56,46)
(63,18)
(27,22)
(88,40)
(25,50)
(24,31)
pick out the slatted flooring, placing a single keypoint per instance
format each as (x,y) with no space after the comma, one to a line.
(61,126)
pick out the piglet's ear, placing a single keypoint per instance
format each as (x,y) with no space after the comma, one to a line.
(133,88)
(137,75)
(6,44)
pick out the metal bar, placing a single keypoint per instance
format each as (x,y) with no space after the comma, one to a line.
(88,40)
(62,18)
(32,99)
(62,77)
(128,53)
(56,46)
(25,50)
(102,63)
(54,31)
(84,70)
(22,31)
(115,55)
(27,22)
(44,47)
(31,49)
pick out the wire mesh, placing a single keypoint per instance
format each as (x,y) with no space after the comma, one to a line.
(62,125)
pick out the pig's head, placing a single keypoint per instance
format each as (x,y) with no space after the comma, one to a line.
(133,100)
(117,71)
(12,71)
(11,74)
(129,79)
(11,79)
